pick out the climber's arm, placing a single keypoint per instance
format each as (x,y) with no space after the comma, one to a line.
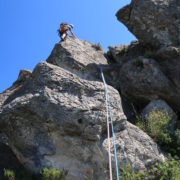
(72,33)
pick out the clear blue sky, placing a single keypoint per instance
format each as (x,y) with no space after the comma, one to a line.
(28,29)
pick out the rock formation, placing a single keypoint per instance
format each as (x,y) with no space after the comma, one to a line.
(149,69)
(153,22)
(55,117)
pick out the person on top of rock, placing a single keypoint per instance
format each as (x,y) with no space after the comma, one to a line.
(64,29)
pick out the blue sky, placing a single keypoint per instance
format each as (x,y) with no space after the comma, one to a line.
(28,30)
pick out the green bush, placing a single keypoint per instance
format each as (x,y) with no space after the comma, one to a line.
(127,174)
(157,126)
(51,174)
(45,174)
(138,63)
(123,50)
(150,54)
(169,170)
(97,46)
(9,174)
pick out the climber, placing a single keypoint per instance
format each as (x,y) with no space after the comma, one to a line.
(64,29)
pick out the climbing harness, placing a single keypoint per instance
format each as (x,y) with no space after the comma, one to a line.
(109,114)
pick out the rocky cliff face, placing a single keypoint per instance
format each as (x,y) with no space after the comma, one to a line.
(55,117)
(150,66)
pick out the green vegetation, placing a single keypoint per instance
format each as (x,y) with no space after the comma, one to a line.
(123,51)
(170,170)
(51,174)
(138,63)
(97,46)
(157,126)
(45,174)
(9,174)
(150,54)
(127,174)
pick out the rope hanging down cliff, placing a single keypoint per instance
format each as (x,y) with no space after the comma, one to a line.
(109,114)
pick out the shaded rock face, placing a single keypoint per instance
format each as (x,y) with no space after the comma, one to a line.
(56,117)
(149,68)
(153,22)
(8,160)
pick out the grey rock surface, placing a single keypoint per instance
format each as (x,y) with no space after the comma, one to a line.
(56,117)
(136,148)
(153,22)
(169,61)
(78,57)
(142,79)
(149,68)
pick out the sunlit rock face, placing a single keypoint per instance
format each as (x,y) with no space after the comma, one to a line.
(55,117)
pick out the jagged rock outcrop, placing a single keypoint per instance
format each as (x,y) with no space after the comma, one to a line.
(56,117)
(153,22)
(143,79)
(149,68)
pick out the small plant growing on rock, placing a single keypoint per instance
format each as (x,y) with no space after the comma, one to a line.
(163,171)
(123,51)
(138,63)
(158,126)
(9,174)
(97,46)
(128,174)
(167,170)
(149,54)
(51,174)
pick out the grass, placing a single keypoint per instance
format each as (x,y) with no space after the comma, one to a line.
(45,174)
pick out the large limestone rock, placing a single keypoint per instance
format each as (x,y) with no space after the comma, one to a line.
(153,22)
(56,117)
(149,68)
(135,148)
(143,79)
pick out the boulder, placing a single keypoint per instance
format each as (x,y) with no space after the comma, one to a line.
(57,117)
(78,57)
(169,61)
(153,22)
(135,148)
